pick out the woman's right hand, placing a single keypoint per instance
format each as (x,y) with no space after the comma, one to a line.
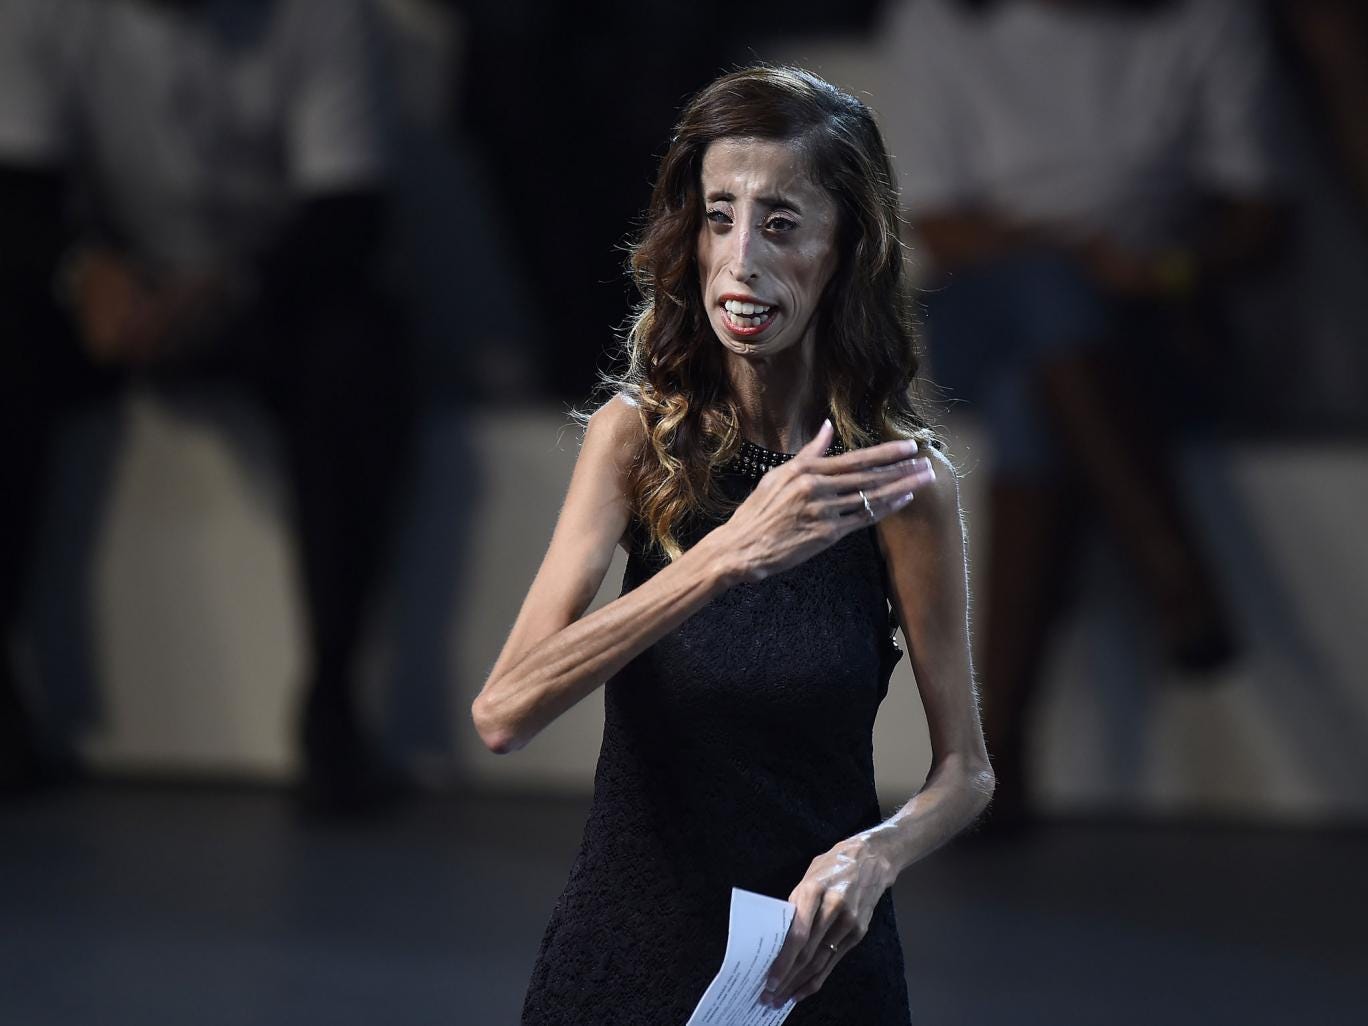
(805,505)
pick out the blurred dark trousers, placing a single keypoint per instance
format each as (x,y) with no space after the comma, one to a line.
(332,375)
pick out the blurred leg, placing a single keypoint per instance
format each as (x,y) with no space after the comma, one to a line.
(42,373)
(1032,527)
(979,330)
(341,401)
(25,437)
(1124,459)
(1097,414)
(24,434)
(1030,534)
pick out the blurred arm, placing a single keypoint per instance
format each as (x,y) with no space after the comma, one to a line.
(957,239)
(1239,111)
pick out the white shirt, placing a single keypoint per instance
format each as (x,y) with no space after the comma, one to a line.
(192,129)
(1090,120)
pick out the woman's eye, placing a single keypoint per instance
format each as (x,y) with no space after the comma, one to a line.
(781,224)
(718,217)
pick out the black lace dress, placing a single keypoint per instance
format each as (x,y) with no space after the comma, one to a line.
(735,749)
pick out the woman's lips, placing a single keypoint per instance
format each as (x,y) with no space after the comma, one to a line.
(745,327)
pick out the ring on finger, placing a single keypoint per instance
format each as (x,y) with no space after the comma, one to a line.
(870,510)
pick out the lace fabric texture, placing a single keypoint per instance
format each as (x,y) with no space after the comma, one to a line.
(735,750)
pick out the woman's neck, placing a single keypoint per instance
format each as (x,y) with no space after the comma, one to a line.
(779,407)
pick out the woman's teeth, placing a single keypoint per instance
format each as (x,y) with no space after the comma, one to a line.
(747,315)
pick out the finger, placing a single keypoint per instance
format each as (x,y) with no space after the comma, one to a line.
(874,477)
(811,958)
(827,921)
(882,501)
(812,980)
(815,983)
(870,456)
(807,901)
(820,442)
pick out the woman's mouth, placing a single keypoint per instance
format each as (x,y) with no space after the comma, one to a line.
(747,318)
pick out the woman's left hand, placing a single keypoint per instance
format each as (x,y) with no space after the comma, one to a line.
(835,900)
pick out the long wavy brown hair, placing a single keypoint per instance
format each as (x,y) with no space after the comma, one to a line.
(676,377)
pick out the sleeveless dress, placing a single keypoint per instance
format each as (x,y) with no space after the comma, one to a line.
(736,749)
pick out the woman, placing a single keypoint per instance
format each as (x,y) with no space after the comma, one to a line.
(753,640)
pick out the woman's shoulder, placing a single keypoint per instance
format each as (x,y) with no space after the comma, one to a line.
(616,428)
(620,417)
(936,509)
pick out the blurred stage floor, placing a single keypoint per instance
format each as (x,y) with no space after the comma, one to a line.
(139,904)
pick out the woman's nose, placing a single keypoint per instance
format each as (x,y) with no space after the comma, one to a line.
(743,254)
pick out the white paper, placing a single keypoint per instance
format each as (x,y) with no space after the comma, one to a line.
(754,937)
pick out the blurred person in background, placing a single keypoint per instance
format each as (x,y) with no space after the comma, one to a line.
(192,189)
(1080,175)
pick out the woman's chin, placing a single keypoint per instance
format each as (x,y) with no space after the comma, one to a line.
(745,347)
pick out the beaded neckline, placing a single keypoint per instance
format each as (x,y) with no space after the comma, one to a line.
(753,460)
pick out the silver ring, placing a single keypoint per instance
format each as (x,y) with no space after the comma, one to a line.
(833,948)
(868,508)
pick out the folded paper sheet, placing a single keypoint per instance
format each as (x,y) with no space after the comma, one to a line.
(758,927)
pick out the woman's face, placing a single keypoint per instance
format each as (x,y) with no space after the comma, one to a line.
(767,247)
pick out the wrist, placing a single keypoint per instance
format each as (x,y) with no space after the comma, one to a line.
(722,560)
(877,850)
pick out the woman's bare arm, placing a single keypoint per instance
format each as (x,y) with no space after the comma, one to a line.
(925,549)
(552,658)
(923,546)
